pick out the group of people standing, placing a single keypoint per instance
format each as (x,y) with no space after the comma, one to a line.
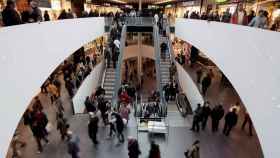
(240,16)
(202,113)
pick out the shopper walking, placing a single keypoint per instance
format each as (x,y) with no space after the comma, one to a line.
(133,148)
(111,122)
(230,121)
(206,111)
(247,119)
(216,115)
(93,128)
(193,152)
(206,82)
(62,126)
(119,126)
(197,118)
(73,145)
(154,151)
(39,133)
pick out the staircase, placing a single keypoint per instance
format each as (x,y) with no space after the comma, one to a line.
(109,83)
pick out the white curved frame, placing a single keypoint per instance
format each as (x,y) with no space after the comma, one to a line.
(249,57)
(29,53)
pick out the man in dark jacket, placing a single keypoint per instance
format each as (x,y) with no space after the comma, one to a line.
(206,111)
(206,82)
(194,55)
(216,115)
(93,129)
(197,118)
(230,121)
(10,15)
(119,126)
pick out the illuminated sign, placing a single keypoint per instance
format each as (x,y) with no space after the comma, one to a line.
(220,1)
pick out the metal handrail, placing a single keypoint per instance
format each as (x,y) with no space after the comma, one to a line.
(163,104)
(119,64)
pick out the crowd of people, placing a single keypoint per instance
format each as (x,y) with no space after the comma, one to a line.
(240,17)
(202,113)
(69,75)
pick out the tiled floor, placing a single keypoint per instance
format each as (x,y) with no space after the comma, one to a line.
(173,145)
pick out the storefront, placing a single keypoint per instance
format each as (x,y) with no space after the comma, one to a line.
(180,9)
(107,8)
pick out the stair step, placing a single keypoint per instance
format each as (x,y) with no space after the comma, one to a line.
(109,92)
(110,76)
(108,87)
(108,84)
(109,79)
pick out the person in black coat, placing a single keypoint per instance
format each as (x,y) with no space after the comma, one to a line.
(194,55)
(206,111)
(10,15)
(216,114)
(119,126)
(93,129)
(197,118)
(230,121)
(133,148)
(89,105)
(206,82)
(46,16)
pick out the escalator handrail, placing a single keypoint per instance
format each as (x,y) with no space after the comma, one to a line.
(119,64)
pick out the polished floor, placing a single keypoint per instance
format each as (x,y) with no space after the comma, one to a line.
(179,138)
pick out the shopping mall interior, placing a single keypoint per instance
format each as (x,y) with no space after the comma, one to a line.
(139,78)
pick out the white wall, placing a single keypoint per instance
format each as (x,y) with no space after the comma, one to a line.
(29,53)
(133,51)
(87,88)
(249,57)
(189,87)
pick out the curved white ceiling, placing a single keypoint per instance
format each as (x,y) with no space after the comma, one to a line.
(29,53)
(249,57)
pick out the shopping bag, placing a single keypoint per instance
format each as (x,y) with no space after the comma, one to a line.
(49,127)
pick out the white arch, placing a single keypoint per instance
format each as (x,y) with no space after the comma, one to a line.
(29,53)
(249,57)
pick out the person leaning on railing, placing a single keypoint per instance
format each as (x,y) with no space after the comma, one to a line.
(9,15)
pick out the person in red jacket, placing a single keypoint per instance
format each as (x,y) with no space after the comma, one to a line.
(239,16)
